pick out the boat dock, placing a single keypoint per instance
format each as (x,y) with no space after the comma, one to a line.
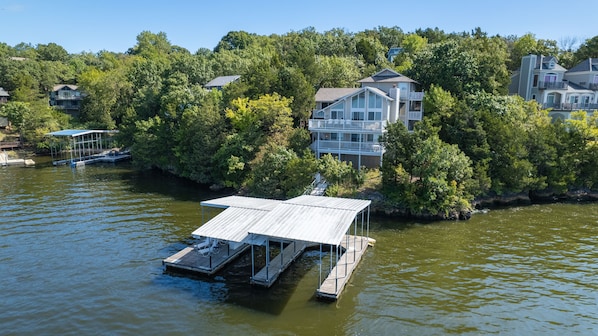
(83,147)
(208,262)
(353,248)
(269,273)
(246,222)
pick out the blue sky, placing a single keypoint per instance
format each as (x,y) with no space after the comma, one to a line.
(94,25)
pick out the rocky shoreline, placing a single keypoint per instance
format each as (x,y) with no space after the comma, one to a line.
(380,207)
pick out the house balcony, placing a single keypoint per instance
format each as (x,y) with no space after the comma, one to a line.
(552,85)
(347,147)
(571,107)
(349,125)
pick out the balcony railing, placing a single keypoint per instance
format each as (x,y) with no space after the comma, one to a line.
(552,85)
(571,107)
(415,115)
(416,95)
(341,124)
(335,146)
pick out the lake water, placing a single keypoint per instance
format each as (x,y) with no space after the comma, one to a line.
(81,252)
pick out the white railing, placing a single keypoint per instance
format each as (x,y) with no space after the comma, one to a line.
(340,124)
(415,115)
(347,146)
(416,95)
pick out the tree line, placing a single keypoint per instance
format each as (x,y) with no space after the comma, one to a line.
(474,141)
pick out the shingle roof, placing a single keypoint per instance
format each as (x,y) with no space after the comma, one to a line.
(333,94)
(60,86)
(221,81)
(590,64)
(387,76)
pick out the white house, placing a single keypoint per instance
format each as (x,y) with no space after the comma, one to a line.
(563,91)
(348,122)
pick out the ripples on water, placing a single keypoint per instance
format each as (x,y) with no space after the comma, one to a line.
(81,251)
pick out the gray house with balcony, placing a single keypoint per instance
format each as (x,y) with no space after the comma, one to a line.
(563,91)
(67,98)
(348,122)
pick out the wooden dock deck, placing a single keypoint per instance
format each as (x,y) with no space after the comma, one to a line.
(268,275)
(190,259)
(338,277)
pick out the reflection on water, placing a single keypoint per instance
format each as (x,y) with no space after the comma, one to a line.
(81,251)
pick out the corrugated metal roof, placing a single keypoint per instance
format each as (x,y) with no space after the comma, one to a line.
(306,223)
(232,224)
(74,133)
(331,202)
(316,219)
(242,202)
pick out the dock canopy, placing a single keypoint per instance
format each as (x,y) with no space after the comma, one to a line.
(315,219)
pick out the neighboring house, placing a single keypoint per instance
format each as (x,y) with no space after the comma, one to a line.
(348,122)
(3,96)
(66,97)
(393,52)
(563,91)
(219,82)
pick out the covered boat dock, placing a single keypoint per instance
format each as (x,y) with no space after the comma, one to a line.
(82,147)
(282,230)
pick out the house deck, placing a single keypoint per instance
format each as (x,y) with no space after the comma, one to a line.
(190,259)
(333,285)
(268,275)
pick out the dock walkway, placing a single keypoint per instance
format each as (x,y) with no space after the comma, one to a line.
(190,259)
(355,247)
(268,275)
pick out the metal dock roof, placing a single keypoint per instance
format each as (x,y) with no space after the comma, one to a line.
(316,219)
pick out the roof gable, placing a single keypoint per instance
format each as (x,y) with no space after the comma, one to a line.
(387,76)
(64,87)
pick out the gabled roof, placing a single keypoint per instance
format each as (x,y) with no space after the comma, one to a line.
(354,92)
(590,64)
(333,94)
(61,86)
(3,93)
(543,62)
(387,76)
(221,81)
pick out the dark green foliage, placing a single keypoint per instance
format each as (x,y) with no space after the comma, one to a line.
(473,141)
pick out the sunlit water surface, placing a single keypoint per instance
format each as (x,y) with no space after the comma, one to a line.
(81,252)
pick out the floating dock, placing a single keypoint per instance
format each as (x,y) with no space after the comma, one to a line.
(193,260)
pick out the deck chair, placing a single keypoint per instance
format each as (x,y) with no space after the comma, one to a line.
(202,244)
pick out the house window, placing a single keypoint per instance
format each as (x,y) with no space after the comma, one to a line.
(358,115)
(595,79)
(337,111)
(374,106)
(374,115)
(374,101)
(535,80)
(550,78)
(368,137)
(358,101)
(574,99)
(355,137)
(333,136)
